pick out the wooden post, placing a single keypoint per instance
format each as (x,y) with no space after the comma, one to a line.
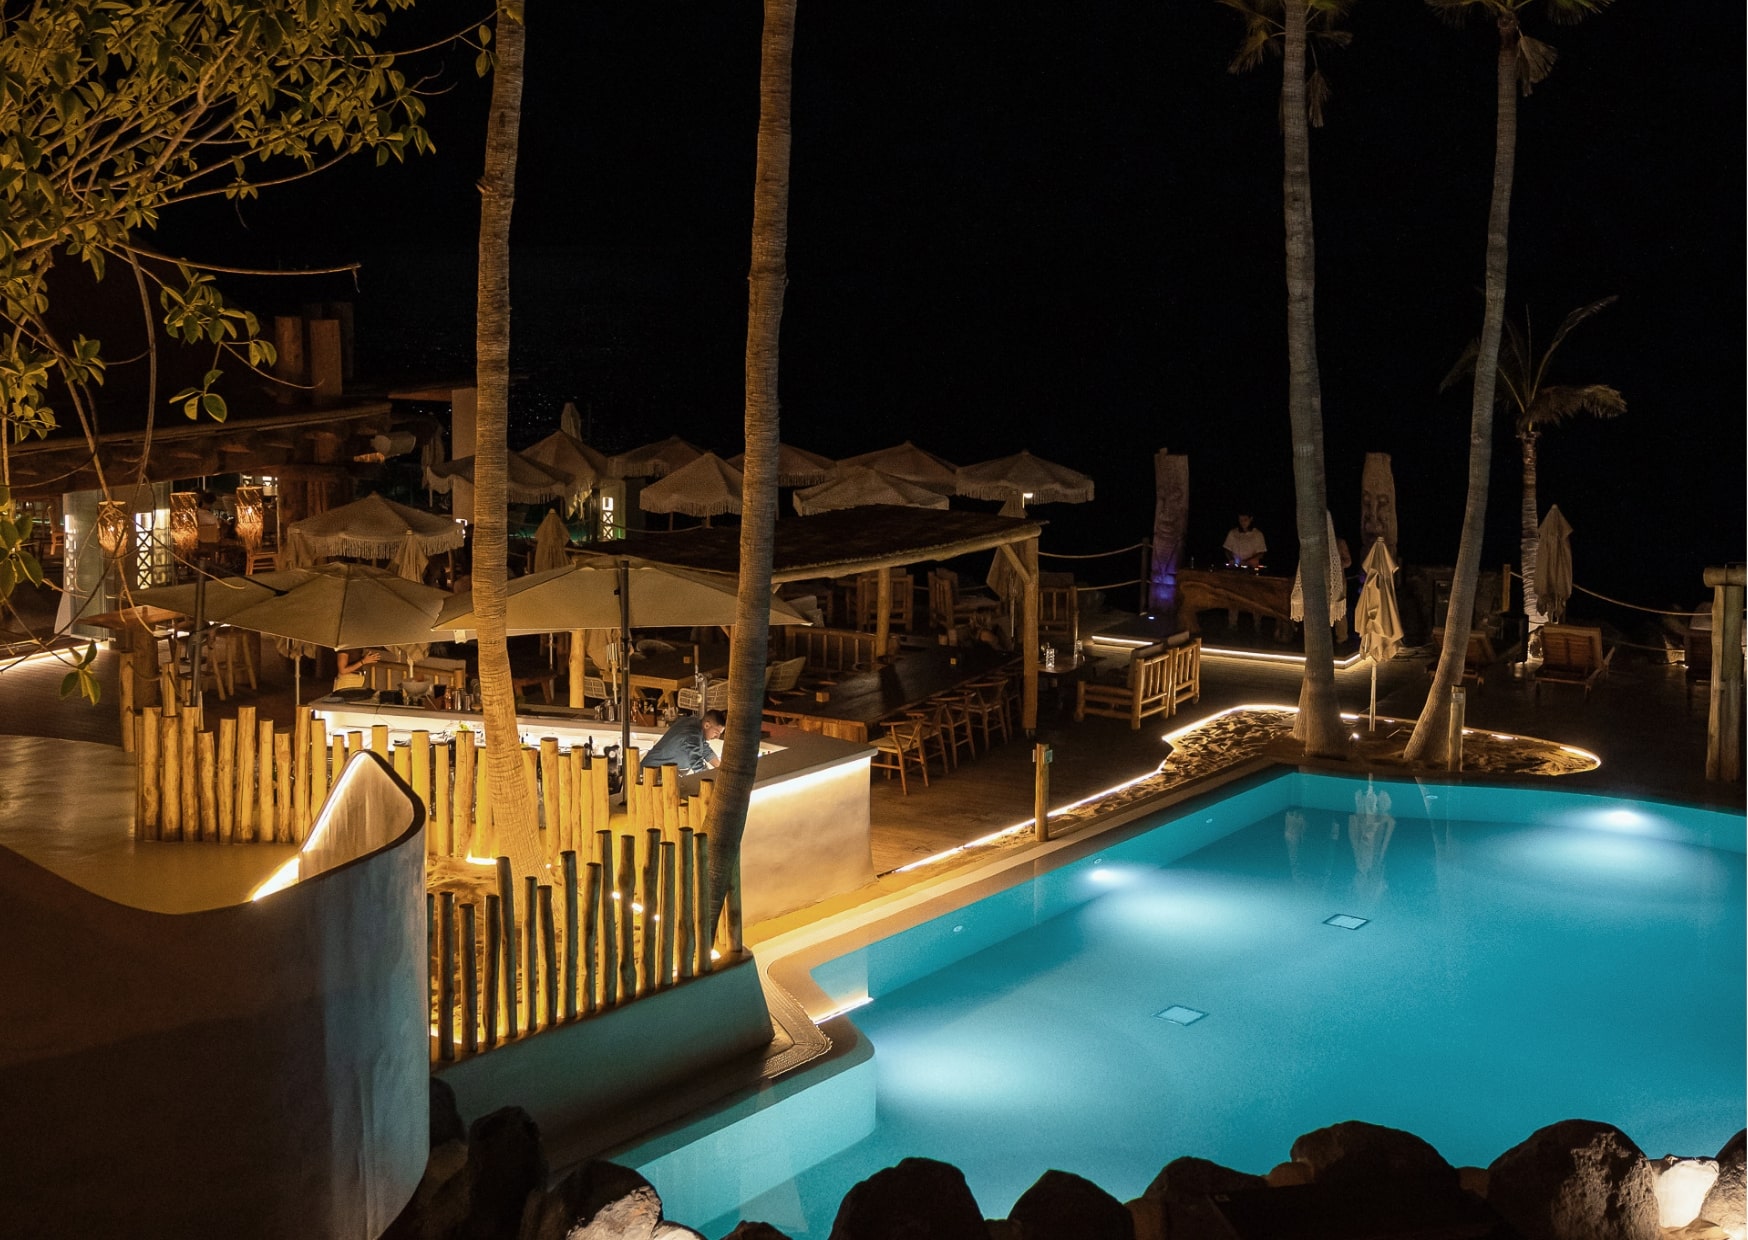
(443,830)
(609,922)
(464,794)
(446,977)
(151,769)
(318,768)
(493,958)
(1724,714)
(549,954)
(688,916)
(1041,755)
(337,743)
(652,909)
(882,615)
(170,743)
(301,809)
(125,698)
(1029,637)
(206,763)
(585,790)
(403,762)
(568,865)
(264,780)
(189,722)
(575,670)
(530,951)
(245,774)
(549,797)
(627,918)
(701,911)
(591,936)
(665,974)
(419,754)
(469,979)
(282,819)
(507,918)
(567,803)
(379,740)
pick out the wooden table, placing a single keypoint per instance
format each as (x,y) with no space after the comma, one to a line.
(1233,590)
(858,702)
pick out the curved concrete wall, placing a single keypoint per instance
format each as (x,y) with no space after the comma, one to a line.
(254,1070)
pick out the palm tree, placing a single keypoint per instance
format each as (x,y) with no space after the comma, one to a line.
(1287,28)
(1522,62)
(513,805)
(1535,405)
(766,281)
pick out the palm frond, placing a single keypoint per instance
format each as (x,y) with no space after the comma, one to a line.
(1560,403)
(1331,38)
(1571,12)
(1260,31)
(1574,319)
(1535,60)
(1455,12)
(1316,95)
(1464,365)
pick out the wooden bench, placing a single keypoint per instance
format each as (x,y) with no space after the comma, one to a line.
(1571,655)
(1146,690)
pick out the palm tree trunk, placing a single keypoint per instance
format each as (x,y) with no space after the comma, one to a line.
(1319,721)
(513,811)
(766,280)
(1429,739)
(1529,538)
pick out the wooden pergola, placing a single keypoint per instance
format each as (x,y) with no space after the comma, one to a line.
(872,539)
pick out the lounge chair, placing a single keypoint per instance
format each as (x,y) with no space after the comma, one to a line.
(1479,657)
(1146,690)
(1571,655)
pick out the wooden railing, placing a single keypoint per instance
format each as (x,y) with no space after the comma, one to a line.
(830,650)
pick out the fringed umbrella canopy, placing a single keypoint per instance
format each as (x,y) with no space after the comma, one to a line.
(707,486)
(528,483)
(1337,581)
(1553,582)
(1031,479)
(570,457)
(796,467)
(911,463)
(857,486)
(375,528)
(654,460)
(550,541)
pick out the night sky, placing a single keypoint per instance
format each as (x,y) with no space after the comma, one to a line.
(1019,226)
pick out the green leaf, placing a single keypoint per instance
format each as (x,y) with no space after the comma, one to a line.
(214,405)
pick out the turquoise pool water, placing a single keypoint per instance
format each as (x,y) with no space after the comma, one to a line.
(1524,957)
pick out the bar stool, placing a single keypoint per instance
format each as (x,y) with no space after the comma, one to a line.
(895,749)
(227,642)
(932,730)
(955,723)
(983,701)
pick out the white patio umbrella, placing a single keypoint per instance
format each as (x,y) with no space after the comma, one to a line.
(1337,581)
(608,592)
(706,486)
(654,460)
(796,467)
(1553,582)
(857,486)
(528,482)
(911,463)
(1378,618)
(375,528)
(570,457)
(1030,479)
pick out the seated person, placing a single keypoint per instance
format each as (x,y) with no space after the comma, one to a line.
(352,664)
(686,743)
(1245,546)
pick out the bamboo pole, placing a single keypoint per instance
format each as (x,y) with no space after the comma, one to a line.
(319,775)
(701,908)
(284,825)
(443,809)
(688,917)
(530,951)
(337,743)
(627,918)
(446,977)
(225,776)
(670,823)
(419,754)
(264,780)
(469,979)
(568,864)
(591,937)
(301,809)
(354,743)
(665,973)
(590,820)
(189,724)
(567,803)
(379,740)
(550,820)
(484,837)
(652,908)
(151,768)
(507,917)
(125,699)
(493,956)
(609,922)
(170,743)
(245,774)
(430,967)
(549,954)
(205,764)
(402,760)
(464,794)
(167,692)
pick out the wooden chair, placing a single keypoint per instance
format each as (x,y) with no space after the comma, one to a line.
(233,647)
(983,703)
(263,557)
(955,721)
(1058,608)
(714,697)
(1186,672)
(783,678)
(948,606)
(896,748)
(867,600)
(1571,655)
(933,729)
(1146,690)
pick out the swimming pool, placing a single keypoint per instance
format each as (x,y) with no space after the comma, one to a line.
(1468,963)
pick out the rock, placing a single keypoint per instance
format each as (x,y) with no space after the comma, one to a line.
(505,1164)
(1148,1216)
(754,1231)
(446,1122)
(919,1199)
(1063,1206)
(1001,1229)
(1727,1204)
(600,1201)
(1182,1188)
(1357,1153)
(1473,1180)
(1287,1174)
(440,1203)
(1575,1180)
(1681,1187)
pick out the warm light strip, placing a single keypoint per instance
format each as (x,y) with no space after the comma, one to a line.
(1127,643)
(843,1008)
(69,657)
(1263,656)
(289,873)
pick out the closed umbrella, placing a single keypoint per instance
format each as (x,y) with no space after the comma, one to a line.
(1337,581)
(911,463)
(409,562)
(1377,616)
(796,467)
(550,541)
(374,528)
(1553,582)
(654,460)
(706,486)
(1027,478)
(857,486)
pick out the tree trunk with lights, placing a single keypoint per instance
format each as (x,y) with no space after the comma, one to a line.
(513,808)
(1429,741)
(766,281)
(1319,722)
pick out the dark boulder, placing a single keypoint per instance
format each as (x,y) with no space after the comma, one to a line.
(446,1122)
(755,1231)
(1575,1180)
(919,1199)
(1727,1204)
(1183,1188)
(1063,1206)
(504,1164)
(1358,1153)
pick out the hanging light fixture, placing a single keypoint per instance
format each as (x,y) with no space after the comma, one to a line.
(184,523)
(113,526)
(251,517)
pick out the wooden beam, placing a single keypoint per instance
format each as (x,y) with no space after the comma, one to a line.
(1029,636)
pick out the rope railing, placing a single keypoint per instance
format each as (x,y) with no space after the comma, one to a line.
(1655,611)
(1096,555)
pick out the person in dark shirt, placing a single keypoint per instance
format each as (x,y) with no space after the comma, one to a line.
(686,743)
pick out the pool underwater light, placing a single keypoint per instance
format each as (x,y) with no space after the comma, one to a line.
(1346,921)
(1178,1014)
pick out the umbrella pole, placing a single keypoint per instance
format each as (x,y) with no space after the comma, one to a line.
(297,677)
(624,672)
(1372,713)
